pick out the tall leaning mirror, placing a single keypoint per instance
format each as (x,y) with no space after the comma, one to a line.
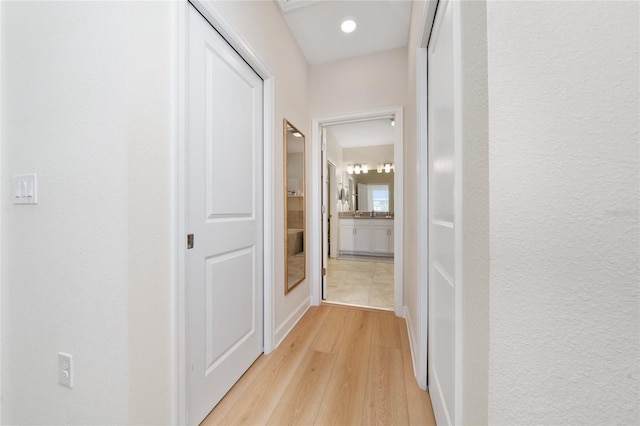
(294,209)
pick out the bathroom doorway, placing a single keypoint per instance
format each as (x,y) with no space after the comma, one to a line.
(359,196)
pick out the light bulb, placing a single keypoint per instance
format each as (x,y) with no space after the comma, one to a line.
(357,169)
(348,26)
(350,170)
(365,168)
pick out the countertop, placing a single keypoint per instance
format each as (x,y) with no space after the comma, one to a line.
(364,215)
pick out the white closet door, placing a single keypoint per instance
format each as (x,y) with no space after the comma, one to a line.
(224,214)
(442,216)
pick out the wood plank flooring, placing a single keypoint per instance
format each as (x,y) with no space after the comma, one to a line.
(338,366)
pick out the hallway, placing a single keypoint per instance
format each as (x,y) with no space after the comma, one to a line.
(339,365)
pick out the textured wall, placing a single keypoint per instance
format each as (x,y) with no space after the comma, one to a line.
(563,126)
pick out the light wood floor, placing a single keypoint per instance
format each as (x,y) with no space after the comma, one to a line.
(338,366)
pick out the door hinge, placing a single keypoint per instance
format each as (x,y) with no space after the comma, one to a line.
(324,209)
(324,146)
(189,241)
(324,271)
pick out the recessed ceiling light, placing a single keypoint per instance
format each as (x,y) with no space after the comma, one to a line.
(348,26)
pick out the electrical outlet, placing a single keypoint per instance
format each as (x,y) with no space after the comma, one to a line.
(65,369)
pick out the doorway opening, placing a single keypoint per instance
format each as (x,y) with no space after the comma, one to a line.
(359,267)
(361,196)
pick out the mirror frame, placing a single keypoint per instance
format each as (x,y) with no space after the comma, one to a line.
(287,286)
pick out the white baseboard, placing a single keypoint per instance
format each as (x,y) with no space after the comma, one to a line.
(412,345)
(287,325)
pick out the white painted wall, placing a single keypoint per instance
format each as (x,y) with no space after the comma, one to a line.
(65,261)
(475,213)
(358,84)
(370,155)
(564,181)
(87,104)
(264,29)
(151,78)
(411,170)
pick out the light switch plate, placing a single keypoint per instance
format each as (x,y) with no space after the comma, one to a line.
(25,189)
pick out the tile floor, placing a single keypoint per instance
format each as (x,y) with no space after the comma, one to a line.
(361,282)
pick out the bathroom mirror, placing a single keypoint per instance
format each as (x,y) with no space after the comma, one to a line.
(294,209)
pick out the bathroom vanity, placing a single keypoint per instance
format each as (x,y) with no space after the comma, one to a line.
(365,235)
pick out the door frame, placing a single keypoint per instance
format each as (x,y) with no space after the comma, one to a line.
(422,333)
(316,198)
(330,223)
(214,16)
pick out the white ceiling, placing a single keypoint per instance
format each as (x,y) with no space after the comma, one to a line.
(363,133)
(382,25)
(315,24)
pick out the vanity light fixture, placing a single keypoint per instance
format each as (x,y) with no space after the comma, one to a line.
(386,167)
(348,25)
(393,122)
(357,169)
(294,132)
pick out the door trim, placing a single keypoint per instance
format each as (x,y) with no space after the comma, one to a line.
(316,199)
(179,217)
(419,342)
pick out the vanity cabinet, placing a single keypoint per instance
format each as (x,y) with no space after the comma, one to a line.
(366,236)
(382,236)
(355,235)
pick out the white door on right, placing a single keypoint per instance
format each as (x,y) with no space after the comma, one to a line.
(442,216)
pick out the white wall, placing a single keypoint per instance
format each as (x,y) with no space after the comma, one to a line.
(65,261)
(87,104)
(89,110)
(564,180)
(358,84)
(370,155)
(411,169)
(150,77)
(263,27)
(475,191)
